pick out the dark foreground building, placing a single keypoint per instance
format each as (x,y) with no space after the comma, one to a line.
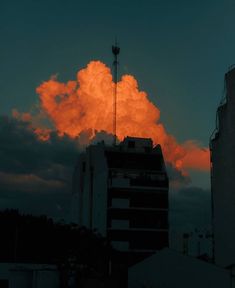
(122,192)
(222,144)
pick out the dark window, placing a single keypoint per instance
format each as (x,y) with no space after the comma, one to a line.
(4,283)
(154,200)
(132,160)
(141,181)
(142,219)
(83,166)
(155,241)
(148,149)
(131,144)
(145,240)
(157,220)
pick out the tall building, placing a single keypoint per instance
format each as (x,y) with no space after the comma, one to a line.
(122,192)
(222,146)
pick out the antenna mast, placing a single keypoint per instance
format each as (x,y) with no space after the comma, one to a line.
(116,51)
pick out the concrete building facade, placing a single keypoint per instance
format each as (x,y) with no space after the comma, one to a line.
(122,192)
(222,145)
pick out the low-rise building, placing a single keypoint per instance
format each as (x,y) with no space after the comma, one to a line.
(168,268)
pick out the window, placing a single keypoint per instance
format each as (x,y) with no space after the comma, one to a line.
(4,283)
(83,166)
(131,144)
(120,203)
(120,245)
(120,224)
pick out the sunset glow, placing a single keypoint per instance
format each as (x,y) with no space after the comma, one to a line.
(87,103)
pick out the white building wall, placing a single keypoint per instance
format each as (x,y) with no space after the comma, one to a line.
(76,214)
(85,199)
(100,202)
(223,179)
(91,189)
(100,188)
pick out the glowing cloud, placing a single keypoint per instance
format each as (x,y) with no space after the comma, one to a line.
(87,104)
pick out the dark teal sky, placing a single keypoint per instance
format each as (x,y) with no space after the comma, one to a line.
(177,50)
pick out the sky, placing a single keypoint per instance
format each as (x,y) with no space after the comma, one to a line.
(178,51)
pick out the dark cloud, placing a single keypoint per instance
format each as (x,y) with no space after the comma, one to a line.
(29,183)
(35,176)
(22,152)
(176,177)
(190,208)
(55,204)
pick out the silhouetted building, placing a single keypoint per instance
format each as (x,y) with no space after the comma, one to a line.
(122,191)
(25,275)
(168,268)
(196,243)
(222,146)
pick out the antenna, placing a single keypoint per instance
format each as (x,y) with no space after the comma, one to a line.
(116,51)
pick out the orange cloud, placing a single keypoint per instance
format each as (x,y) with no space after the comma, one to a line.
(87,104)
